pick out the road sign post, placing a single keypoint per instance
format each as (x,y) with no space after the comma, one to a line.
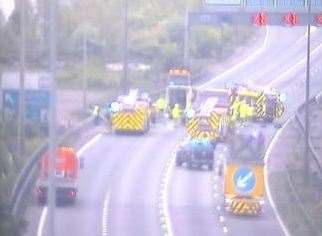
(307,97)
(125,47)
(21,120)
(85,59)
(52,120)
(186,53)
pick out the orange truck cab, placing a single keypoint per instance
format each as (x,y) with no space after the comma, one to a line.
(67,166)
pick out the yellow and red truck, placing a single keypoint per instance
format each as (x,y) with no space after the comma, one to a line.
(132,113)
(66,171)
(266,105)
(179,88)
(208,117)
(244,186)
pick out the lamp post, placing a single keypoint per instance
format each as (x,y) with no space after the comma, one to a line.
(125,47)
(307,95)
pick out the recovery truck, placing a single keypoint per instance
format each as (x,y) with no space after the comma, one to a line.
(132,113)
(209,116)
(179,89)
(267,105)
(195,153)
(66,171)
(243,172)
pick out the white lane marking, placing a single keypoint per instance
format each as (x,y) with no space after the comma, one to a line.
(164,213)
(267,187)
(292,69)
(89,144)
(42,221)
(44,212)
(105,215)
(242,62)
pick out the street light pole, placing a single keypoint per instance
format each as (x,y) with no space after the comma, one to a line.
(307,96)
(186,53)
(125,48)
(52,120)
(85,59)
(21,119)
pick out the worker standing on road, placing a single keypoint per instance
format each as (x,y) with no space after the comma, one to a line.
(250,112)
(243,110)
(96,114)
(176,113)
(160,104)
(236,109)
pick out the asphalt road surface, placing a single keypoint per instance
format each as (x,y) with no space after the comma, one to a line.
(119,189)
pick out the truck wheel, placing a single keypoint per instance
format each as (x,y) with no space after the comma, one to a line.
(178,162)
(269,119)
(72,201)
(189,164)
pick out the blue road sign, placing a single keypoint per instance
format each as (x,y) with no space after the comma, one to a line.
(244,180)
(36,101)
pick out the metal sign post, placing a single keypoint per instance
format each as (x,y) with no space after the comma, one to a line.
(307,97)
(125,48)
(21,120)
(85,59)
(52,120)
(186,41)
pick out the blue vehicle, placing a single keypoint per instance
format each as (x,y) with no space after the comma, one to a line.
(195,153)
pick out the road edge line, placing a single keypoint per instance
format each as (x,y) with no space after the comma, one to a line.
(42,221)
(243,61)
(267,186)
(105,214)
(164,213)
(80,152)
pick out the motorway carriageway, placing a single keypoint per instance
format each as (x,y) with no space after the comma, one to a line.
(130,187)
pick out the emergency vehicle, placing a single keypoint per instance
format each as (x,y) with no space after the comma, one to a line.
(209,116)
(244,186)
(131,113)
(67,166)
(265,105)
(179,89)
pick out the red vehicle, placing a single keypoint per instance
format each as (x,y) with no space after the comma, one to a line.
(67,166)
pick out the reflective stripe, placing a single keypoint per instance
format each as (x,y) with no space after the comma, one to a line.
(245,207)
(127,121)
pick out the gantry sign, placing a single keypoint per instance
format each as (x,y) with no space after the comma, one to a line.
(258,12)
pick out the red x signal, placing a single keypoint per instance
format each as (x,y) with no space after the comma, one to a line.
(260,19)
(291,19)
(319,20)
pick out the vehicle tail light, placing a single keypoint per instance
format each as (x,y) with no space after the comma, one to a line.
(72,193)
